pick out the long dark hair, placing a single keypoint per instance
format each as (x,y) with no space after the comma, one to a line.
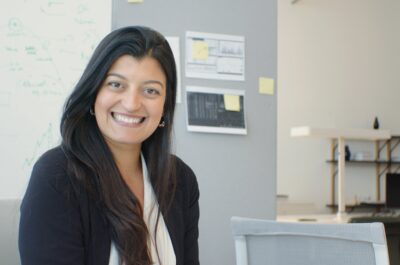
(91,161)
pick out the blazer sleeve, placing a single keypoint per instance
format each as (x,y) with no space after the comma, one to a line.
(191,216)
(50,231)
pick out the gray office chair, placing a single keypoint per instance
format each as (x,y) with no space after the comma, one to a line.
(9,221)
(262,242)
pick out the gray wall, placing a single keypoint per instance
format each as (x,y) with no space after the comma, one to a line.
(236,174)
(9,221)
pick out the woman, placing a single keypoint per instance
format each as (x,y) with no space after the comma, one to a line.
(112,193)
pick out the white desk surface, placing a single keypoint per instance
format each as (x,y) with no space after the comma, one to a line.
(318,218)
(354,134)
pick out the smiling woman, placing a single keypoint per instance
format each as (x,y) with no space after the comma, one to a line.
(112,193)
(130,103)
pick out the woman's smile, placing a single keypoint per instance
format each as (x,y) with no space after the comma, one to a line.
(127,120)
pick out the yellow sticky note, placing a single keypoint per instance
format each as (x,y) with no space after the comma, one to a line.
(200,50)
(232,102)
(135,1)
(266,85)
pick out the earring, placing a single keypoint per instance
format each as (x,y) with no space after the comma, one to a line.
(162,123)
(91,111)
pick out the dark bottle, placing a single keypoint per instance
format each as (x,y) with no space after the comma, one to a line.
(376,123)
(347,153)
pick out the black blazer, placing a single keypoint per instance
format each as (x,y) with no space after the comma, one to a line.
(61,225)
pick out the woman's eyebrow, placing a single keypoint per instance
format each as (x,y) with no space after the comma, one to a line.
(152,82)
(117,75)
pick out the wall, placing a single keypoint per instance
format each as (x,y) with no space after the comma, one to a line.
(236,174)
(338,67)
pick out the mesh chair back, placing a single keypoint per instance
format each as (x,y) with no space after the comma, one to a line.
(262,242)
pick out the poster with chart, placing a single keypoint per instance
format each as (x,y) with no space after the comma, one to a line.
(44,47)
(215,56)
(215,110)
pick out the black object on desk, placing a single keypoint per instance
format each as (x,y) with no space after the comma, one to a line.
(393,190)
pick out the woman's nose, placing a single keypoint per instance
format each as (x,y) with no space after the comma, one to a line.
(132,99)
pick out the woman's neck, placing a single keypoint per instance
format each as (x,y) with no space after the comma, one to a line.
(127,158)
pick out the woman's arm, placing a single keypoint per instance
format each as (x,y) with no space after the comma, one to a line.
(192,214)
(50,231)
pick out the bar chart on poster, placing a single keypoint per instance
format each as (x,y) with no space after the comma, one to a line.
(44,47)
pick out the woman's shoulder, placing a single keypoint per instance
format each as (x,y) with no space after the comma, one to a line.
(50,169)
(185,176)
(183,170)
(53,158)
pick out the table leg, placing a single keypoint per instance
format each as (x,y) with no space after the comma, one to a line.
(341,180)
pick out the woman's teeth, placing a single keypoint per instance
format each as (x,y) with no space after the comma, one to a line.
(127,119)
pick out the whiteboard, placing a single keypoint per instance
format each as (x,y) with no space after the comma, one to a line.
(44,47)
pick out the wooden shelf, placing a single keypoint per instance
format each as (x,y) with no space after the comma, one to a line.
(392,162)
(351,207)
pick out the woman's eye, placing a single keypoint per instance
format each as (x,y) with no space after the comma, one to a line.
(152,91)
(114,85)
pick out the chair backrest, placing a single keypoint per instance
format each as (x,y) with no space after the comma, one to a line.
(9,222)
(264,242)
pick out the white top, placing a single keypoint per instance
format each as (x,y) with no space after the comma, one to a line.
(354,134)
(165,249)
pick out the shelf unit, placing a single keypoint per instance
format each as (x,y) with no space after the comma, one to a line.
(382,166)
(341,135)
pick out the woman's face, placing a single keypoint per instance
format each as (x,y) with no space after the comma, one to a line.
(130,102)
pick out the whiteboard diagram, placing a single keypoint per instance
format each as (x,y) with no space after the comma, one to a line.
(44,47)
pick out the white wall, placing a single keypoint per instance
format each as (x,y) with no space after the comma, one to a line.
(338,66)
